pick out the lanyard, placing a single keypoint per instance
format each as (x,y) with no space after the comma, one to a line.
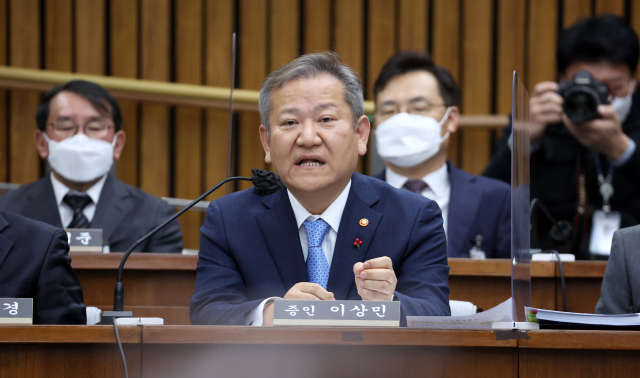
(606,188)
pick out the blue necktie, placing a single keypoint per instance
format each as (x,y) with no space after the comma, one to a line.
(317,265)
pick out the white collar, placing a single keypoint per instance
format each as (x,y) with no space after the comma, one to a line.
(60,190)
(437,180)
(332,215)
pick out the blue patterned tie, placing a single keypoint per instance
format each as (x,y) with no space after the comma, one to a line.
(317,265)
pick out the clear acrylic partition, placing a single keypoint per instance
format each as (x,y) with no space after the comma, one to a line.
(520,247)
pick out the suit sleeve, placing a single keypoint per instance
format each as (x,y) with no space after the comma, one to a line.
(503,229)
(170,238)
(220,296)
(58,297)
(423,277)
(615,297)
(632,166)
(500,165)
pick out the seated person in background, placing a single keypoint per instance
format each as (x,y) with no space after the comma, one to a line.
(620,292)
(79,135)
(415,114)
(567,158)
(34,263)
(299,242)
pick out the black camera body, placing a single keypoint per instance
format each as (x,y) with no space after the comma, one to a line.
(582,95)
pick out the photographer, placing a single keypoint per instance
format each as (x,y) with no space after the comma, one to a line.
(574,165)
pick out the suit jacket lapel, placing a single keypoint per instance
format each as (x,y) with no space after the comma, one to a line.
(5,244)
(42,205)
(113,205)
(280,232)
(463,199)
(361,197)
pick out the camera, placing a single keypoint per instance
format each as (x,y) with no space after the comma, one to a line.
(582,95)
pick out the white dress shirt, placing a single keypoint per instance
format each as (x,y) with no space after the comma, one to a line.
(332,215)
(60,190)
(438,189)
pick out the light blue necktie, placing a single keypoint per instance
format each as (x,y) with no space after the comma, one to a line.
(317,265)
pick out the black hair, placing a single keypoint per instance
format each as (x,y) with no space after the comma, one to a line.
(404,62)
(594,39)
(99,98)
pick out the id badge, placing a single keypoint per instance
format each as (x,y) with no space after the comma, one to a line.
(604,225)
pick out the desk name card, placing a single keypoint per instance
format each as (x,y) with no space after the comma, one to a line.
(84,239)
(336,313)
(16,311)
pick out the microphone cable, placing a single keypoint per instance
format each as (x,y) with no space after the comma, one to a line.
(124,360)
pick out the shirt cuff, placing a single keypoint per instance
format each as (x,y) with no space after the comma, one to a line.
(255,316)
(626,155)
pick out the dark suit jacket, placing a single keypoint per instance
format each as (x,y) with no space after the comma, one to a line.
(124,213)
(478,206)
(554,180)
(250,250)
(620,292)
(34,263)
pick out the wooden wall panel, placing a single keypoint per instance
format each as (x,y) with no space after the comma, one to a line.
(4,18)
(634,17)
(349,41)
(317,25)
(446,52)
(58,38)
(477,80)
(252,70)
(284,32)
(413,31)
(155,124)
(90,46)
(381,39)
(574,10)
(188,177)
(511,48)
(610,6)
(542,42)
(24,39)
(124,63)
(219,29)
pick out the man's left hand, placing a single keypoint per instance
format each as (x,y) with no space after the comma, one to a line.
(375,279)
(603,135)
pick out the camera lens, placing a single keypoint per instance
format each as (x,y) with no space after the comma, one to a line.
(581,106)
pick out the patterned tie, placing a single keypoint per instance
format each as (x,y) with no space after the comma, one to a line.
(317,265)
(415,186)
(77,204)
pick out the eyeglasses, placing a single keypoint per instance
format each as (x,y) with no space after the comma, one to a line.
(422,108)
(66,128)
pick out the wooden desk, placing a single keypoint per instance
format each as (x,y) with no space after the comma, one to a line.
(212,351)
(158,284)
(68,351)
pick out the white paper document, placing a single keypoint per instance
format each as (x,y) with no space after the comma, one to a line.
(500,313)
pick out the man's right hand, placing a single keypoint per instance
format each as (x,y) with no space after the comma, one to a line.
(302,291)
(545,108)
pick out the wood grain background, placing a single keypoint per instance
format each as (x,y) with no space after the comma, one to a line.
(181,151)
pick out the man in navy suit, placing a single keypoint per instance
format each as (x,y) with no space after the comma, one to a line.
(300,242)
(415,114)
(34,263)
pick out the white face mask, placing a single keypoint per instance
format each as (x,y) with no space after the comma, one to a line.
(407,140)
(622,105)
(80,158)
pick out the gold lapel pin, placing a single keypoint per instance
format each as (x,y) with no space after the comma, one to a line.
(364,222)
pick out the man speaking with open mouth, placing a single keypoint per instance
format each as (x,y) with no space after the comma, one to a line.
(329,233)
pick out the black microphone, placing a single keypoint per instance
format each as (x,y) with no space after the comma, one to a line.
(264,182)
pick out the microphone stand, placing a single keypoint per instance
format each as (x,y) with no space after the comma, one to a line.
(265,183)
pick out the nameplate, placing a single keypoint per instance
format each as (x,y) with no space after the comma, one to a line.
(336,313)
(84,239)
(16,311)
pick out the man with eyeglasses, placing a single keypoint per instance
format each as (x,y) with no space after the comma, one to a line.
(415,114)
(80,137)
